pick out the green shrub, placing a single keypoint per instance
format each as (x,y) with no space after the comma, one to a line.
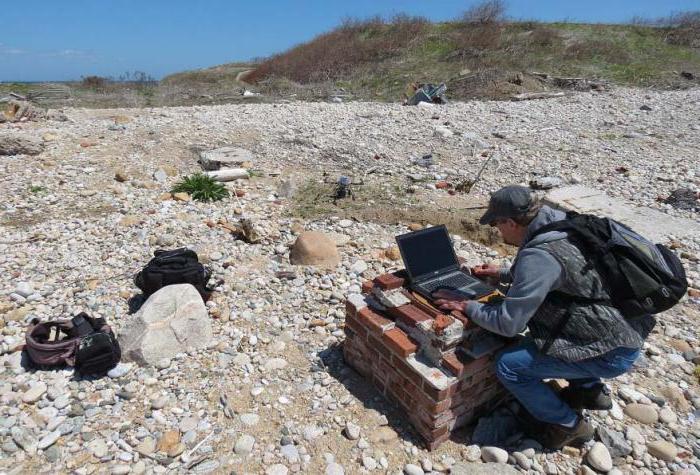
(201,188)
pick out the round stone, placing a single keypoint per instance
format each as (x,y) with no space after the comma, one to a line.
(494,454)
(412,469)
(642,413)
(599,457)
(471,453)
(352,432)
(663,450)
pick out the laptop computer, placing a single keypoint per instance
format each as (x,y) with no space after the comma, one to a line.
(431,264)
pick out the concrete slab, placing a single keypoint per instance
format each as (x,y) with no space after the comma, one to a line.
(648,222)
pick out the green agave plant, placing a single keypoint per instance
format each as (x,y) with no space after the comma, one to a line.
(201,188)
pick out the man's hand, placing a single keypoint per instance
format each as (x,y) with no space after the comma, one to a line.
(486,270)
(449,300)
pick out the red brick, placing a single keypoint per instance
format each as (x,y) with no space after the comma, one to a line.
(441,322)
(472,366)
(405,370)
(378,383)
(409,314)
(434,444)
(452,363)
(373,321)
(354,325)
(367,286)
(389,281)
(378,345)
(435,394)
(350,309)
(398,342)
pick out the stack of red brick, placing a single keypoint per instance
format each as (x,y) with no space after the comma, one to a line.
(437,367)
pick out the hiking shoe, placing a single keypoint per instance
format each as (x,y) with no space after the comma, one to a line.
(595,398)
(555,436)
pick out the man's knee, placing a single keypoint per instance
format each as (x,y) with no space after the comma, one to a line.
(512,365)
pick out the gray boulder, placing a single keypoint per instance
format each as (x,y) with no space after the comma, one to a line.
(13,143)
(173,320)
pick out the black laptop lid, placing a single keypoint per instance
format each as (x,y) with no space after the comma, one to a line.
(427,253)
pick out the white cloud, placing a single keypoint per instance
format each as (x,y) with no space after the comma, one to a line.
(6,50)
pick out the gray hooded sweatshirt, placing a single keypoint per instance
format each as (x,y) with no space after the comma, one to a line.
(548,263)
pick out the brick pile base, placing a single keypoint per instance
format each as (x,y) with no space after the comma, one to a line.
(419,358)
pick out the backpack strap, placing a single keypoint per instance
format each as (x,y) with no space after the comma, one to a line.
(82,325)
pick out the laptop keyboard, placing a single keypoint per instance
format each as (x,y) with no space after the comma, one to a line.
(454,281)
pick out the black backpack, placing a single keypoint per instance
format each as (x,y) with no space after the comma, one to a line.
(84,342)
(641,277)
(179,266)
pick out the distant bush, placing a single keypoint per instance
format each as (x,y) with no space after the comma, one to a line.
(486,12)
(352,44)
(682,28)
(96,83)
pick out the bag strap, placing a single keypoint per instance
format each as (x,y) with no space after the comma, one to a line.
(82,325)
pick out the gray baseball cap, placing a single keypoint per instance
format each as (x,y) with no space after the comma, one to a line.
(508,202)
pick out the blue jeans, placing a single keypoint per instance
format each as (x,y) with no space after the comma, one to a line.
(522,368)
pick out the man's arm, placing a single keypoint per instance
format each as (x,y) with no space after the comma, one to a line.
(536,274)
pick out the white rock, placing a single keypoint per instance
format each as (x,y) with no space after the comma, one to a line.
(359,267)
(274,364)
(49,439)
(334,469)
(412,469)
(244,445)
(250,419)
(599,457)
(120,370)
(34,393)
(173,320)
(276,469)
(494,454)
(24,289)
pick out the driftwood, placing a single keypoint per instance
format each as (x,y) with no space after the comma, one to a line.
(577,84)
(526,96)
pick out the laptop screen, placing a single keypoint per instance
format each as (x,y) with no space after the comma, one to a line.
(427,251)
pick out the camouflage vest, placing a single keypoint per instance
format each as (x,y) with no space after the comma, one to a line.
(592,328)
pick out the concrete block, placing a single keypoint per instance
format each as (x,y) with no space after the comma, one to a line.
(650,223)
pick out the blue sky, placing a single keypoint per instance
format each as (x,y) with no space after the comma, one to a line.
(66,39)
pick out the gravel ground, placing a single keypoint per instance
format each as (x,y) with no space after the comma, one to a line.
(72,237)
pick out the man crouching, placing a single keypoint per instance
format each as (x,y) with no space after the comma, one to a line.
(561,299)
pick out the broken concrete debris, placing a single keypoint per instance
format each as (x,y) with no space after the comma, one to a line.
(545,182)
(429,93)
(229,174)
(225,157)
(226,163)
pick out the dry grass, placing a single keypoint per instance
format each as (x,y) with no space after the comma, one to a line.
(592,49)
(334,54)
